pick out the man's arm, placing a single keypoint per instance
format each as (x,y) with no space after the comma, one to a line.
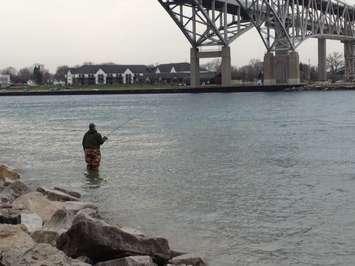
(101,139)
(84,140)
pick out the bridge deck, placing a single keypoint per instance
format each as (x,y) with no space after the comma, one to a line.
(233,6)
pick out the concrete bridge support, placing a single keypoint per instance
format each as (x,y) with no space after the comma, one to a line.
(269,78)
(195,67)
(322,57)
(281,68)
(349,54)
(226,67)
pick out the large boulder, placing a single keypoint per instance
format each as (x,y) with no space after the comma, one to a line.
(129,261)
(13,191)
(31,221)
(101,242)
(62,220)
(8,176)
(10,216)
(14,241)
(45,237)
(69,192)
(46,255)
(35,202)
(56,195)
(188,260)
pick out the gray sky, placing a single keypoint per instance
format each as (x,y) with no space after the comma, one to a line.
(58,32)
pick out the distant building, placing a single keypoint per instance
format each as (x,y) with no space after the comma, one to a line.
(107,74)
(178,73)
(5,80)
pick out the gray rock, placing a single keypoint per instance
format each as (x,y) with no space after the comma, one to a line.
(14,241)
(32,221)
(46,255)
(35,202)
(71,193)
(76,206)
(101,242)
(10,216)
(132,231)
(45,237)
(8,176)
(13,191)
(62,219)
(56,195)
(188,260)
(129,261)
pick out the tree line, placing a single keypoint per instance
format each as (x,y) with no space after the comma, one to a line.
(37,73)
(247,73)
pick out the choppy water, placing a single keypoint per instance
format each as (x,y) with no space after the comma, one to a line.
(245,179)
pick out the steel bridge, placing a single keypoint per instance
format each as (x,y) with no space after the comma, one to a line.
(282,26)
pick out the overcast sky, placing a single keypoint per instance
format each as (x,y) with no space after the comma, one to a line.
(70,32)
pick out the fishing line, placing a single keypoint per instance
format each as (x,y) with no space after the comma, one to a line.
(124,124)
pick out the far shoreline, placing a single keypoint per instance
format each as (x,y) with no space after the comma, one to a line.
(175,90)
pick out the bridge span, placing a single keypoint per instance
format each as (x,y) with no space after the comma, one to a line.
(282,25)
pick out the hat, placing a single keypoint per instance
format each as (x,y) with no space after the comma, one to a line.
(92,126)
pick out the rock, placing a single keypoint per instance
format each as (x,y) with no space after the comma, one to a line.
(76,206)
(129,261)
(188,260)
(45,237)
(32,221)
(35,202)
(14,241)
(8,176)
(101,242)
(13,191)
(62,219)
(56,195)
(61,222)
(46,255)
(71,193)
(85,259)
(5,206)
(10,216)
(132,231)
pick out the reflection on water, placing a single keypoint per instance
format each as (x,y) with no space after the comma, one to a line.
(244,179)
(93,179)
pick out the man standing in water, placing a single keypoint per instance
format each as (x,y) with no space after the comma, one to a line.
(91,143)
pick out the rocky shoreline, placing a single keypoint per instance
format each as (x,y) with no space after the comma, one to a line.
(54,227)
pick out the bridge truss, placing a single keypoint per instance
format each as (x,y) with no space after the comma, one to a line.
(282,24)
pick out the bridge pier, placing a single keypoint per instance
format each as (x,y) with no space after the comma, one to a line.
(226,66)
(195,67)
(269,78)
(294,76)
(281,68)
(322,57)
(349,54)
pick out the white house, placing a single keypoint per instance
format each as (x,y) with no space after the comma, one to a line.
(107,74)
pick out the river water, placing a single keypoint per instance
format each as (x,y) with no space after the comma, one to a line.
(243,179)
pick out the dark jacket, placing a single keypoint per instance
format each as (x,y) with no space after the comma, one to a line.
(92,140)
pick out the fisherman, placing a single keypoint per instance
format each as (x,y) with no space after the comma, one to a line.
(91,143)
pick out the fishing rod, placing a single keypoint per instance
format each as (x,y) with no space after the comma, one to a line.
(123,124)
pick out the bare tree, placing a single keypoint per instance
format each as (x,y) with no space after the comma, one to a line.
(334,62)
(24,75)
(213,66)
(61,72)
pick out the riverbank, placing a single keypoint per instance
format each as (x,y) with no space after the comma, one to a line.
(168,89)
(149,90)
(54,227)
